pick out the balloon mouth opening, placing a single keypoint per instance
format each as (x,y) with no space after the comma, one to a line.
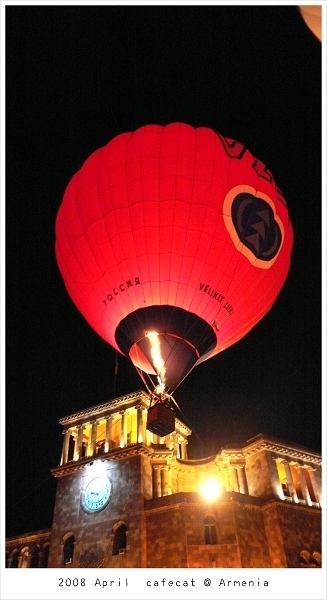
(166,356)
(165,341)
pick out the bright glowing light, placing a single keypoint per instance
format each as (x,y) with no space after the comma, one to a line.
(211,489)
(160,388)
(157,359)
(152,335)
(98,467)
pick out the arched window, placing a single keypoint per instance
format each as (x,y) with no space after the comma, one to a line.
(13,561)
(304,558)
(25,558)
(316,559)
(120,539)
(210,530)
(35,557)
(68,548)
(45,558)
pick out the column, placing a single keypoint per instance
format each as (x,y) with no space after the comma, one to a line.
(303,484)
(79,442)
(176,445)
(65,446)
(93,437)
(156,481)
(170,441)
(289,481)
(233,479)
(164,481)
(243,487)
(226,479)
(316,488)
(108,432)
(139,416)
(183,450)
(147,437)
(122,442)
(169,481)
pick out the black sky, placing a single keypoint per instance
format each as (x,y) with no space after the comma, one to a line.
(76,76)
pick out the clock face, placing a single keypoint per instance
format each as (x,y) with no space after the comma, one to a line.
(97,494)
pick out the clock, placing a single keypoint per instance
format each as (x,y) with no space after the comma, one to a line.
(97,494)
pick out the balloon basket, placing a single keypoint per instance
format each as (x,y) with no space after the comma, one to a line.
(160,420)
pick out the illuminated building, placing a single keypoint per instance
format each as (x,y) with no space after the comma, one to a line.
(127,498)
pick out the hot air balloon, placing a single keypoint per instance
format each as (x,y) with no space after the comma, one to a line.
(173,242)
(312,16)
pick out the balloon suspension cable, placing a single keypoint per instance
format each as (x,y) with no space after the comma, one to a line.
(168,400)
(142,376)
(157,393)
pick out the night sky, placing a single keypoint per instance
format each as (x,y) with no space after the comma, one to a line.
(76,76)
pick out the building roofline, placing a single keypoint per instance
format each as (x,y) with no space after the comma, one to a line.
(113,406)
(32,536)
(266,442)
(106,407)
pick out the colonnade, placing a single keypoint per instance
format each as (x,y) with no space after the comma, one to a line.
(161,480)
(309,496)
(26,559)
(235,478)
(130,428)
(138,434)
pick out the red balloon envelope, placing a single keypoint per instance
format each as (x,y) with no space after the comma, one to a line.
(173,242)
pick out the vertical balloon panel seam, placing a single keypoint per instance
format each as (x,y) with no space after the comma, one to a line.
(103,156)
(214,236)
(125,301)
(77,277)
(173,220)
(187,226)
(157,203)
(212,177)
(257,299)
(148,263)
(160,178)
(89,224)
(172,198)
(118,263)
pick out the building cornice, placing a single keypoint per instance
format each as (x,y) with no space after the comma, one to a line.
(261,442)
(106,408)
(35,536)
(114,406)
(228,499)
(114,454)
(282,504)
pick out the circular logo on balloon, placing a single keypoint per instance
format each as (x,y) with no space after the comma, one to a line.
(255,229)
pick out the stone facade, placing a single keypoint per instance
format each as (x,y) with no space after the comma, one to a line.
(30,550)
(94,532)
(268,512)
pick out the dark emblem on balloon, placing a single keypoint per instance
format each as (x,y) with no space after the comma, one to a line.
(256,227)
(233,148)
(262,170)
